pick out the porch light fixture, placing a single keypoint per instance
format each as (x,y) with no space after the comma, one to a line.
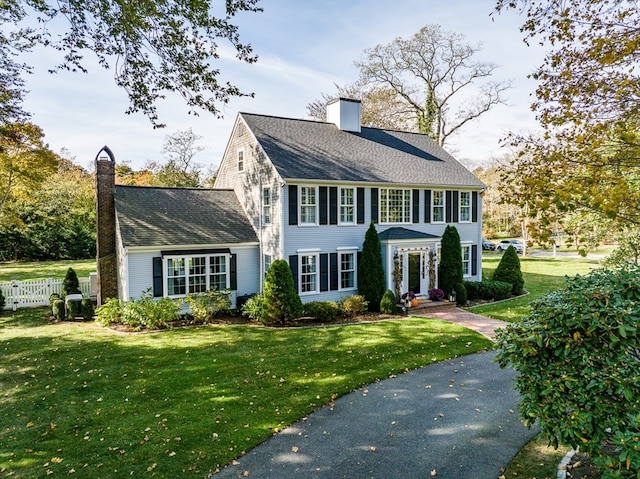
(452,296)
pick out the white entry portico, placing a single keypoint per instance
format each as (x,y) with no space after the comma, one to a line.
(411,261)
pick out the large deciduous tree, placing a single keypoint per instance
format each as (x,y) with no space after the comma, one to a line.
(180,170)
(421,79)
(25,160)
(153,46)
(586,157)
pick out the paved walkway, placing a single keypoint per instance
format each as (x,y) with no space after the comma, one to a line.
(481,324)
(451,420)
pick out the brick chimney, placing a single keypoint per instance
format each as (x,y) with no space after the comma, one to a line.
(345,113)
(106,225)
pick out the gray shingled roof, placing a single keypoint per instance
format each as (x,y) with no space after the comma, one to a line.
(180,216)
(400,233)
(304,149)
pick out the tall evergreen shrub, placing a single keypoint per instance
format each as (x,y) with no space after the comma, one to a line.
(509,271)
(450,266)
(280,299)
(371,283)
(71,284)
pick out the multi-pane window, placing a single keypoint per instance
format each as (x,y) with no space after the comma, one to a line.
(466,260)
(308,205)
(241,160)
(176,276)
(437,206)
(347,270)
(395,205)
(268,259)
(266,206)
(196,274)
(347,205)
(308,273)
(218,272)
(465,206)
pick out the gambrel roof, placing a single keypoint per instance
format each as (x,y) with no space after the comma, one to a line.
(150,216)
(314,150)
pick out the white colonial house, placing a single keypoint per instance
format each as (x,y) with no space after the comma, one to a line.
(304,191)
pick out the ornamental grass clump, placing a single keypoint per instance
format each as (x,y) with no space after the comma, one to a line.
(578,358)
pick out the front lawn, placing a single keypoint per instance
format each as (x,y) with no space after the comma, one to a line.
(541,276)
(26,271)
(76,399)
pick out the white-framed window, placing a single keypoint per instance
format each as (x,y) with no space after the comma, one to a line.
(267,259)
(308,205)
(466,260)
(465,206)
(308,273)
(266,206)
(176,277)
(395,205)
(437,206)
(240,160)
(187,274)
(197,274)
(347,269)
(347,206)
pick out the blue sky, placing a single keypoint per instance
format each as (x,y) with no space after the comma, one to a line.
(304,47)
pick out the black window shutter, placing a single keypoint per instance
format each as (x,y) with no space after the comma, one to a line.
(374,205)
(474,259)
(333,205)
(416,206)
(233,272)
(427,206)
(322,203)
(157,277)
(360,206)
(456,198)
(474,206)
(293,205)
(333,276)
(293,264)
(324,272)
(447,206)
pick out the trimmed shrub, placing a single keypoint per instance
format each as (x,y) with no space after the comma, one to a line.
(354,305)
(252,307)
(281,302)
(509,271)
(148,313)
(71,284)
(57,309)
(3,302)
(204,306)
(388,302)
(450,267)
(86,309)
(323,311)
(488,289)
(73,309)
(371,282)
(461,294)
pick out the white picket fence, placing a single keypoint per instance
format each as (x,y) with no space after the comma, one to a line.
(21,294)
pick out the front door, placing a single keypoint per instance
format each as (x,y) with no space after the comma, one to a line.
(415,272)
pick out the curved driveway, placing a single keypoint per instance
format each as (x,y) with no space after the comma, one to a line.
(452,420)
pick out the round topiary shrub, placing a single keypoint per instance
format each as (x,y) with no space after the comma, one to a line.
(509,271)
(388,302)
(57,309)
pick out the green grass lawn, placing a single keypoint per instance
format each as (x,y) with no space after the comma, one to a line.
(25,271)
(79,399)
(541,276)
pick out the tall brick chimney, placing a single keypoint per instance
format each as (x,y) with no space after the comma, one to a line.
(106,225)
